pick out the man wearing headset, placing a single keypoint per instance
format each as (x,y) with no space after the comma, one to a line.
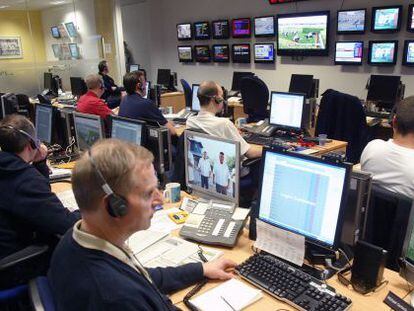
(92,268)
(28,208)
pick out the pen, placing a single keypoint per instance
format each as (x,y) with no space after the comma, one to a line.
(201,255)
(227,303)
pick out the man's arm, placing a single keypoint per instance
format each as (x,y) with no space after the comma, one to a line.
(255,151)
(171,128)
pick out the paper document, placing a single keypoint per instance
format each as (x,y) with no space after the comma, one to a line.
(228,296)
(160,222)
(240,213)
(68,200)
(59,173)
(280,243)
(143,239)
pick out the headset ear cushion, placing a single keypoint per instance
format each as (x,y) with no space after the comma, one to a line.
(117,206)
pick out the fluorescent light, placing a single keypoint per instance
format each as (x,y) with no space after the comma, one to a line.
(57,2)
(4,6)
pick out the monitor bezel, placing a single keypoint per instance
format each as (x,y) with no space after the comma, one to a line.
(192,94)
(264,35)
(215,60)
(376,8)
(195,33)
(405,53)
(241,36)
(304,52)
(51,121)
(237,166)
(407,268)
(191,31)
(241,62)
(342,206)
(133,121)
(349,63)
(280,126)
(261,60)
(197,60)
(351,32)
(372,42)
(249,73)
(228,29)
(410,18)
(181,60)
(51,31)
(88,116)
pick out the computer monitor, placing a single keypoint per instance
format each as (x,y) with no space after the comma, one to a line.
(129,130)
(74,50)
(9,104)
(408,56)
(184,31)
(241,28)
(237,77)
(47,81)
(43,123)
(88,128)
(264,53)
(314,207)
(163,77)
(383,53)
(351,21)
(202,53)
(133,67)
(241,53)
(78,86)
(212,165)
(202,31)
(286,109)
(220,29)
(407,256)
(195,102)
(301,84)
(71,29)
(185,53)
(264,26)
(221,53)
(383,90)
(349,52)
(386,19)
(55,32)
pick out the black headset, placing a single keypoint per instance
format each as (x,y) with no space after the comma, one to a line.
(34,142)
(117,205)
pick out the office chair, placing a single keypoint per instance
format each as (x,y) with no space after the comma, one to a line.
(188,93)
(41,294)
(24,104)
(255,95)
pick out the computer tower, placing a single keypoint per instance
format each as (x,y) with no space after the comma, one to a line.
(158,141)
(64,129)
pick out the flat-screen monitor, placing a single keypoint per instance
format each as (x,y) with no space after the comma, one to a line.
(202,30)
(314,207)
(410,21)
(237,77)
(185,53)
(351,21)
(241,28)
(407,256)
(301,84)
(129,130)
(349,52)
(221,53)
(184,31)
(383,89)
(71,29)
(408,57)
(202,53)
(43,122)
(195,102)
(88,129)
(9,104)
(386,18)
(47,81)
(78,86)
(286,109)
(74,50)
(57,50)
(133,67)
(163,77)
(264,53)
(212,165)
(264,26)
(303,34)
(382,52)
(241,53)
(220,29)
(55,32)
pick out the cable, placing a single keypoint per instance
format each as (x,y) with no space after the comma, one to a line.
(342,4)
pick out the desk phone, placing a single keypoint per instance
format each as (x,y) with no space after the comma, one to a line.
(264,128)
(213,222)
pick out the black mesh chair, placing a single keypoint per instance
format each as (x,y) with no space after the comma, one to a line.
(188,93)
(255,95)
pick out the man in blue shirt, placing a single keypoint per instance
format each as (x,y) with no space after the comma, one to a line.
(135,106)
(92,268)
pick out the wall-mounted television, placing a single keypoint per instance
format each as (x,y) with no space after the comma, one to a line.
(185,53)
(220,29)
(202,30)
(386,18)
(221,53)
(264,53)
(305,34)
(351,21)
(55,32)
(74,50)
(264,26)
(410,22)
(349,52)
(241,53)
(184,31)
(382,53)
(202,53)
(71,29)
(241,28)
(408,56)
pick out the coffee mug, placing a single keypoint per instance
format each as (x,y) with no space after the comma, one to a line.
(172,192)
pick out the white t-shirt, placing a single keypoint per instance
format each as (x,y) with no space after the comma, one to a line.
(221,173)
(392,166)
(205,167)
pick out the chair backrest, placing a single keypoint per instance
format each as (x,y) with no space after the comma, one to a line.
(41,294)
(387,221)
(255,95)
(187,92)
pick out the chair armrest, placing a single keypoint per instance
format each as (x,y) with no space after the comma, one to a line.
(250,162)
(25,254)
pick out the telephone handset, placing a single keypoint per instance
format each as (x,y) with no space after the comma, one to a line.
(265,129)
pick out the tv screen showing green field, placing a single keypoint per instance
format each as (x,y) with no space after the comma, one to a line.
(303,32)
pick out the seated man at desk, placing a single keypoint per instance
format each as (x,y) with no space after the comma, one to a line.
(27,205)
(392,162)
(92,267)
(135,106)
(112,93)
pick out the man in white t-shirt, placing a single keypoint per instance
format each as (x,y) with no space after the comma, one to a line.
(205,169)
(221,175)
(392,162)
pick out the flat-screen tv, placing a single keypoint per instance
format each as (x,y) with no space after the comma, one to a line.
(184,31)
(202,53)
(382,52)
(74,50)
(241,53)
(55,32)
(386,18)
(408,56)
(241,28)
(185,53)
(349,52)
(221,53)
(264,26)
(71,29)
(202,30)
(410,22)
(220,29)
(264,53)
(351,21)
(304,34)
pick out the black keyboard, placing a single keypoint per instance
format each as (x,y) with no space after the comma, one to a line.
(374,114)
(257,139)
(291,285)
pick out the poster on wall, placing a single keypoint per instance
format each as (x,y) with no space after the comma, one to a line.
(10,47)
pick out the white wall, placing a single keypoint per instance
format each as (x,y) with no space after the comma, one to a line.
(163,15)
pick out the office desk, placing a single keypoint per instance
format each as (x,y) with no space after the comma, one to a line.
(174,99)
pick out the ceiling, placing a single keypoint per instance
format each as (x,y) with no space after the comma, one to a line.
(31,4)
